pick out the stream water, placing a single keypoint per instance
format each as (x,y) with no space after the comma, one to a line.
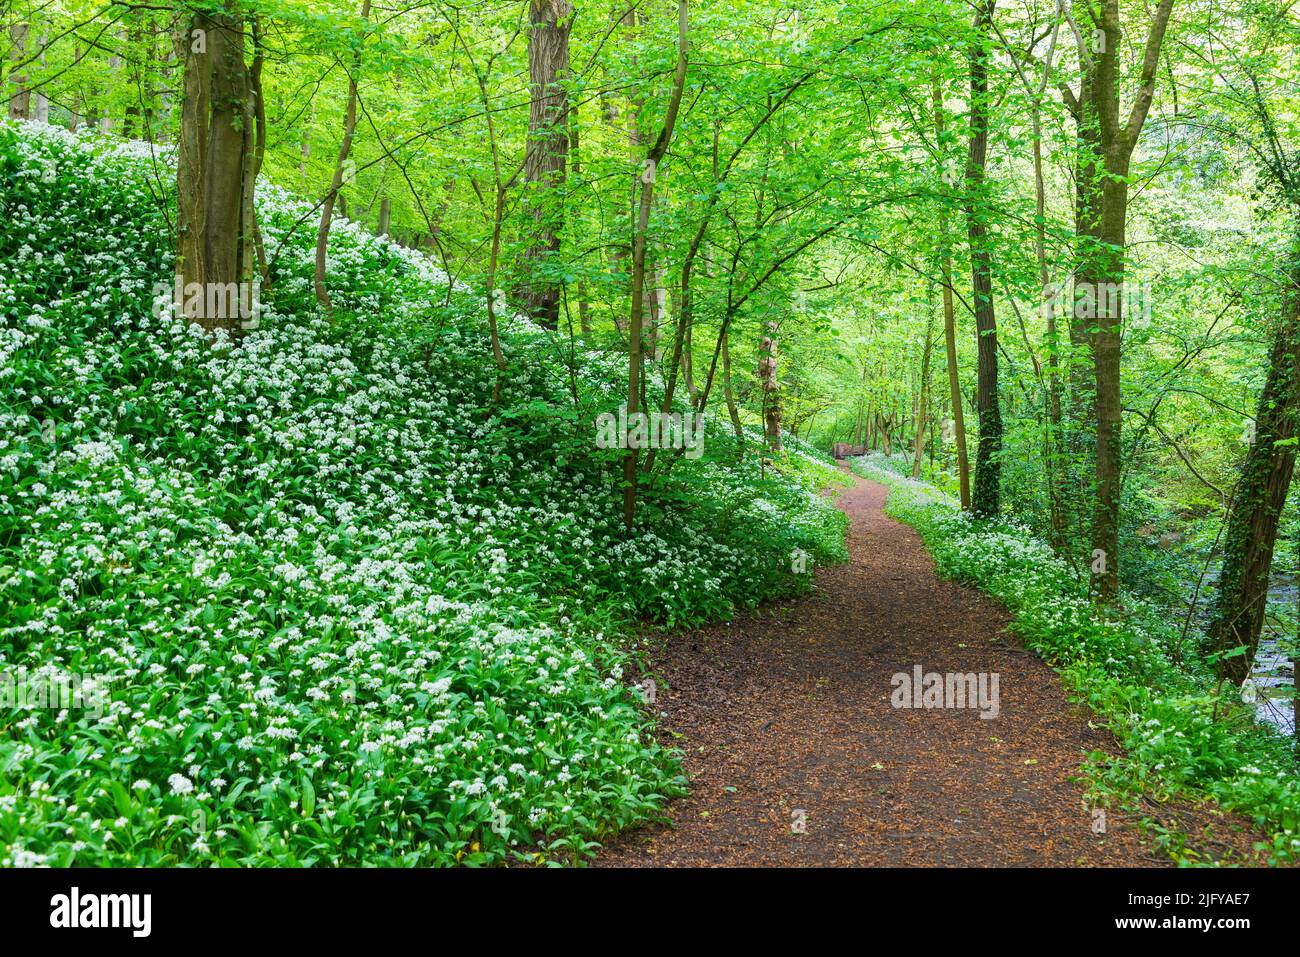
(1272,673)
(1273,667)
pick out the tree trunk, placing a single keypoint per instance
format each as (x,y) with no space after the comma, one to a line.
(256,249)
(733,411)
(1251,530)
(647,181)
(74,108)
(687,325)
(1057,490)
(770,388)
(19,96)
(575,151)
(41,102)
(546,153)
(988,465)
(172,54)
(623,250)
(132,127)
(923,402)
(1106,148)
(950,322)
(650,308)
(304,149)
(336,183)
(215,166)
(114,66)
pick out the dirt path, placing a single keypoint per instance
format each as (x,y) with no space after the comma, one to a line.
(789,710)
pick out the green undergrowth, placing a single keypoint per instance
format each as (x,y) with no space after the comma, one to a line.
(331,603)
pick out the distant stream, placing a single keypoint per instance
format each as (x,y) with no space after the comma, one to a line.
(1272,671)
(1272,668)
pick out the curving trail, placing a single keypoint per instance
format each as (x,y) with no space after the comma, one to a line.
(789,709)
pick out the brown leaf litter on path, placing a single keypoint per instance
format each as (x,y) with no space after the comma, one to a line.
(797,757)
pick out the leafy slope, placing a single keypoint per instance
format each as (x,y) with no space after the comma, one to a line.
(344,612)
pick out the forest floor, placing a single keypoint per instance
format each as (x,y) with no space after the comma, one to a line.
(787,709)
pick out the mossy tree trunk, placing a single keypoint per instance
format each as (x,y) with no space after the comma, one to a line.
(1252,525)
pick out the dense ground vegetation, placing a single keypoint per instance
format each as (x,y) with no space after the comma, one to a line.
(344,609)
(360,570)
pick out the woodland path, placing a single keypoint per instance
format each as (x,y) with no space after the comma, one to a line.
(788,708)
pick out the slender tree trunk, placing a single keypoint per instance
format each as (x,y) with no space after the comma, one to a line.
(1106,146)
(336,183)
(950,321)
(1057,495)
(988,465)
(1106,365)
(494,259)
(855,437)
(733,411)
(172,54)
(923,401)
(658,311)
(770,387)
(623,250)
(135,109)
(688,355)
(254,235)
(647,182)
(1081,447)
(575,152)
(304,149)
(114,66)
(74,108)
(41,102)
(546,153)
(19,95)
